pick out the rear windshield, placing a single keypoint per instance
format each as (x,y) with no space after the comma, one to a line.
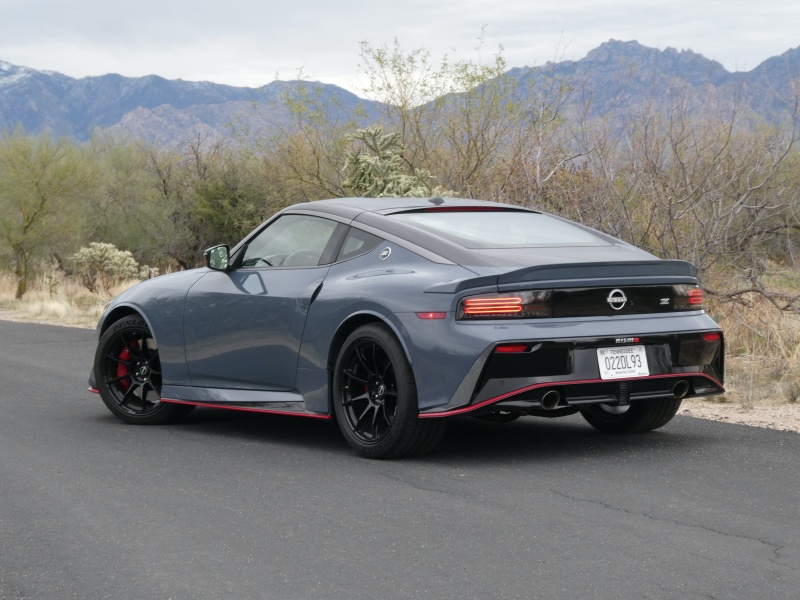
(501,229)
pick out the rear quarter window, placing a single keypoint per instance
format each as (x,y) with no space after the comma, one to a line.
(357,243)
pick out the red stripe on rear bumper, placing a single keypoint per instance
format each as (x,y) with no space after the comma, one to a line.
(554,384)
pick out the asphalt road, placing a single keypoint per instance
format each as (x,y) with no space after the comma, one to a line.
(237,505)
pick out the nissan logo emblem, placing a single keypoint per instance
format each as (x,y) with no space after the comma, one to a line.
(616,299)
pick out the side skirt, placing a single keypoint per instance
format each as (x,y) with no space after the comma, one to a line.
(295,409)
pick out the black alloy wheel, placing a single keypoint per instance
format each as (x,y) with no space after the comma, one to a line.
(128,374)
(375,397)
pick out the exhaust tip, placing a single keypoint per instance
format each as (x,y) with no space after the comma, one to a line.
(680,389)
(550,399)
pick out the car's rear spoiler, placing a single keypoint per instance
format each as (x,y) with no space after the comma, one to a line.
(650,272)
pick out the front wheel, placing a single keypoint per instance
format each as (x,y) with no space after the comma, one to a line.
(127,370)
(638,417)
(375,397)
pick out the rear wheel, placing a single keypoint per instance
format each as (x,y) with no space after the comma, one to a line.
(128,374)
(375,397)
(635,418)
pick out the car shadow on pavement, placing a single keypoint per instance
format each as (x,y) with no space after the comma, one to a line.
(567,439)
(531,439)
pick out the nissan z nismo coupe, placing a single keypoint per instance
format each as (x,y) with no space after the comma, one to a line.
(393,316)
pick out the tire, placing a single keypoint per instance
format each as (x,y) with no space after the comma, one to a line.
(638,417)
(128,375)
(375,397)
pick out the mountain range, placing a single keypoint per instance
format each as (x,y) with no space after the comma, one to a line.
(617,75)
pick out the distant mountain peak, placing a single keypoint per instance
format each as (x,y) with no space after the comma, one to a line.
(632,51)
(10,74)
(617,75)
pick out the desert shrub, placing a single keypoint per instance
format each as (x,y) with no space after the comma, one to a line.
(102,266)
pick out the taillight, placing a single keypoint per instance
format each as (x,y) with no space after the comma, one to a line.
(688,297)
(502,305)
(516,305)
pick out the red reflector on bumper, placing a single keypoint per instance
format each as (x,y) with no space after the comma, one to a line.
(431,315)
(511,348)
(712,337)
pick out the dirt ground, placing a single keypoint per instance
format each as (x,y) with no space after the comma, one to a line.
(782,416)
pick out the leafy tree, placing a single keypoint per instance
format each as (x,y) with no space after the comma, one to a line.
(42,184)
(303,159)
(481,132)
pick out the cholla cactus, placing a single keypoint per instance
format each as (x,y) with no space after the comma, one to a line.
(379,172)
(101,266)
(148,272)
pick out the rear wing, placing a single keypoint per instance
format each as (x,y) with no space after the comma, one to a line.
(646,272)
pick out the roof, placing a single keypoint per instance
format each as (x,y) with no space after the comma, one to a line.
(352,207)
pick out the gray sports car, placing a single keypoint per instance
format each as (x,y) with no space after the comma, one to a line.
(394,315)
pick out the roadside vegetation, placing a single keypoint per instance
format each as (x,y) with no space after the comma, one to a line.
(704,181)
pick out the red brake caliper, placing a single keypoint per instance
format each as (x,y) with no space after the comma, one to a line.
(123,370)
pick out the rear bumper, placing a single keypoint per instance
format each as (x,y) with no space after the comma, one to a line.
(555,375)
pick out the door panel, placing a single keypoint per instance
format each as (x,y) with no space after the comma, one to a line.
(243,329)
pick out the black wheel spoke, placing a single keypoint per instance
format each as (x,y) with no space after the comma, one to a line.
(386,370)
(353,400)
(385,416)
(375,422)
(130,393)
(118,379)
(360,422)
(117,359)
(350,375)
(363,361)
(145,387)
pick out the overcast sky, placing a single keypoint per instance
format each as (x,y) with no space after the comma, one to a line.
(250,42)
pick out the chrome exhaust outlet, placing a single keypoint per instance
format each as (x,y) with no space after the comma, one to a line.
(680,389)
(550,400)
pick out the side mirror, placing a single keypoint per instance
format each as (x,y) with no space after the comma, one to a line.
(218,257)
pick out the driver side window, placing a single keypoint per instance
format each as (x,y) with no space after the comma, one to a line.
(290,241)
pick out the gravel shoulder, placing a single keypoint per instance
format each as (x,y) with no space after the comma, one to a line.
(783,417)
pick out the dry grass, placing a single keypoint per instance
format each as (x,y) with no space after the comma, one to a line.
(763,353)
(56,299)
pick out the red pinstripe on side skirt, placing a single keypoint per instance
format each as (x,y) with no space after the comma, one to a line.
(270,411)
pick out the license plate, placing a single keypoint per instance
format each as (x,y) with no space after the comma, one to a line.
(622,362)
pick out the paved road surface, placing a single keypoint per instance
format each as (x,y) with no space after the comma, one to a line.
(235,505)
